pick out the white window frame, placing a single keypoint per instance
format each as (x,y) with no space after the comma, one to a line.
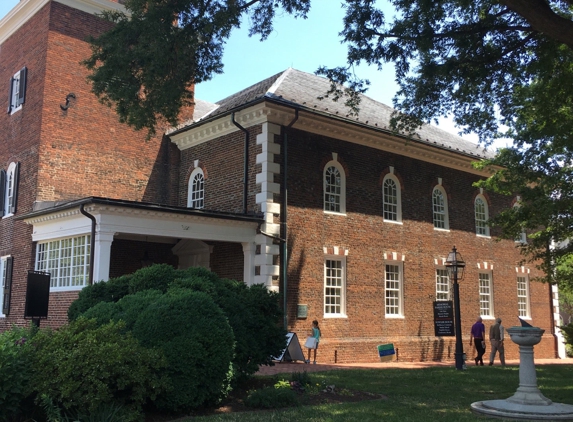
(394,289)
(481,215)
(485,286)
(387,203)
(523,298)
(67,260)
(17,90)
(334,286)
(521,237)
(440,210)
(443,285)
(196,197)
(329,198)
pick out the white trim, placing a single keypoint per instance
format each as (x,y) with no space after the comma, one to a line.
(26,9)
(10,184)
(400,290)
(490,302)
(342,197)
(446,213)
(342,260)
(191,188)
(325,126)
(485,219)
(393,178)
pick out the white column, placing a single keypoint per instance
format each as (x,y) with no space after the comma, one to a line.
(249,263)
(102,256)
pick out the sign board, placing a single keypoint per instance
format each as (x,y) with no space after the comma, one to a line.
(37,295)
(386,352)
(292,351)
(444,318)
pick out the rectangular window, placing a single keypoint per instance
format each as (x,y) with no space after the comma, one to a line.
(485,295)
(393,289)
(442,285)
(523,297)
(17,90)
(67,261)
(334,287)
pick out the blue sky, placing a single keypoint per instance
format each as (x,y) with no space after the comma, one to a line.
(304,44)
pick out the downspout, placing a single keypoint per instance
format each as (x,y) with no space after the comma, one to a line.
(246,163)
(284,227)
(92,245)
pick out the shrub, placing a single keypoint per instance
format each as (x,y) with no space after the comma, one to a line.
(109,291)
(127,309)
(16,352)
(83,367)
(281,395)
(252,311)
(156,277)
(198,343)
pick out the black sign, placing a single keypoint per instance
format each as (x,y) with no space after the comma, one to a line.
(444,318)
(37,295)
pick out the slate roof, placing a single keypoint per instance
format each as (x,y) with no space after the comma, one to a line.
(301,90)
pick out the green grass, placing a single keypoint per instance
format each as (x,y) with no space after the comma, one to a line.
(430,394)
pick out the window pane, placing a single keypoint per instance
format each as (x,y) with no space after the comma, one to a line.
(197,195)
(332,189)
(333,285)
(67,261)
(439,208)
(485,294)
(392,281)
(480,217)
(390,200)
(442,285)
(522,297)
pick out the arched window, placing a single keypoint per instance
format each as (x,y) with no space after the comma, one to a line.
(481,216)
(392,201)
(334,188)
(196,193)
(440,208)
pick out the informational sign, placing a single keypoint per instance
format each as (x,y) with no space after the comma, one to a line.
(37,295)
(292,352)
(444,318)
(386,352)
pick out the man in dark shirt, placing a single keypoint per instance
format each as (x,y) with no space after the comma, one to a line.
(477,337)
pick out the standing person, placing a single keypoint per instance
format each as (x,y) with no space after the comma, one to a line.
(496,335)
(477,334)
(314,332)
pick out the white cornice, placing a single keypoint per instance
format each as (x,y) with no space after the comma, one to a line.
(326,126)
(25,9)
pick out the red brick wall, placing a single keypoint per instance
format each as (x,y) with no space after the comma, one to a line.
(363,232)
(227,260)
(222,163)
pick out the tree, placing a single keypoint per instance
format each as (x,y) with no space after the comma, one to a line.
(499,68)
(146,64)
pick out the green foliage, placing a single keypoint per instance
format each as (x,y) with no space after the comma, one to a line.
(253,313)
(567,331)
(83,368)
(127,309)
(301,377)
(156,276)
(198,343)
(16,352)
(106,412)
(109,291)
(146,64)
(275,397)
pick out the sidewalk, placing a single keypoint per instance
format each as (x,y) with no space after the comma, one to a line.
(288,367)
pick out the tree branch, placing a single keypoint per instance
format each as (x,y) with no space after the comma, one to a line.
(543,19)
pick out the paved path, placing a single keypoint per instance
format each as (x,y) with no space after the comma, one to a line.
(288,367)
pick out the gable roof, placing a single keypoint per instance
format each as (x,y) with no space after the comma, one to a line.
(301,90)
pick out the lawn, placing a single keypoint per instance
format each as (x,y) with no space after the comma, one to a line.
(428,394)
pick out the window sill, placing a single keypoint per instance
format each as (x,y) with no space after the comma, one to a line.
(487,317)
(333,316)
(342,214)
(484,236)
(395,316)
(394,222)
(66,289)
(7,215)
(436,229)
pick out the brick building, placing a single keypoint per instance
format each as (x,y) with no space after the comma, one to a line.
(270,185)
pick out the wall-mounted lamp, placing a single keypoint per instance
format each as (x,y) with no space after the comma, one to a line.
(68,98)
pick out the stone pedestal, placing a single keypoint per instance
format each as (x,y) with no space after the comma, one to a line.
(527,403)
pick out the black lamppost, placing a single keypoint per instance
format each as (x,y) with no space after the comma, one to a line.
(455,266)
